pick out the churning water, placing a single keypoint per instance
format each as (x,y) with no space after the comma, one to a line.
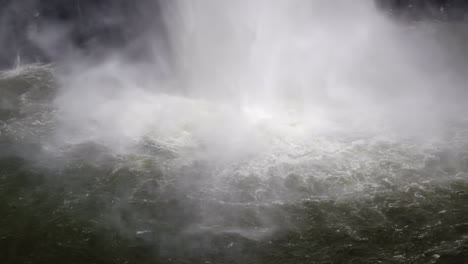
(285,132)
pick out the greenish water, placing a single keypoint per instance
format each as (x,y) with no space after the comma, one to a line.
(376,200)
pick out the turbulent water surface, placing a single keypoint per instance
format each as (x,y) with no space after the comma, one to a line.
(273,146)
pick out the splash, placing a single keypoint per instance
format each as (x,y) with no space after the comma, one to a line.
(263,121)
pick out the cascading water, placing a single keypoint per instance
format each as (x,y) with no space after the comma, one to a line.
(273,132)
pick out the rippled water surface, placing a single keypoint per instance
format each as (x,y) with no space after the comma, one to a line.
(345,196)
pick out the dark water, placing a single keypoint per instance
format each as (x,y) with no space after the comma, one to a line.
(376,200)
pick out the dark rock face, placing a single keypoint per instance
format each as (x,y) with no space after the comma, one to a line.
(110,22)
(15,16)
(97,27)
(451,10)
(93,27)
